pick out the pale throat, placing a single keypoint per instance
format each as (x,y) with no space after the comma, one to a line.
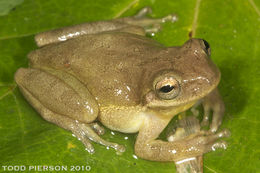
(171,112)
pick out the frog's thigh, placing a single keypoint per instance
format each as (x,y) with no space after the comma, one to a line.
(67,97)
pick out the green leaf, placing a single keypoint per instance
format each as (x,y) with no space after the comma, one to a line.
(6,6)
(232,27)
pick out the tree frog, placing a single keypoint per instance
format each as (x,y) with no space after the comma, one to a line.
(109,71)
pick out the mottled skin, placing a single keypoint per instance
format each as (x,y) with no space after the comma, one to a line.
(108,72)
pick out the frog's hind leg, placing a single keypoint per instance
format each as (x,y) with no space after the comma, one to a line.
(138,24)
(59,92)
(66,33)
(33,83)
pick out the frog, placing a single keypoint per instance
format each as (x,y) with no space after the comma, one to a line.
(109,72)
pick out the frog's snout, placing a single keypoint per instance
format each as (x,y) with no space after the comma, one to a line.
(198,45)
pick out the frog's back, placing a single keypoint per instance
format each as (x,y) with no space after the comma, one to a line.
(109,64)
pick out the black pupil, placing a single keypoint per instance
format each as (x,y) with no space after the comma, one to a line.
(206,44)
(166,88)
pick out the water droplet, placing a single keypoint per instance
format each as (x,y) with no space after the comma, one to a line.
(135,157)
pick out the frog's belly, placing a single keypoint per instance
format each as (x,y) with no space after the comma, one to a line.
(122,119)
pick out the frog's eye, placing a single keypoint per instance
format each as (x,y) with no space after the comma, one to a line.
(168,88)
(206,46)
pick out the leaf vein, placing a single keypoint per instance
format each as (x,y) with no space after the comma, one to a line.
(21,123)
(16,36)
(126,8)
(195,19)
(212,170)
(9,91)
(254,6)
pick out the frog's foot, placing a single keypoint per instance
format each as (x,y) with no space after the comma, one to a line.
(189,130)
(213,103)
(150,25)
(216,117)
(85,133)
(207,141)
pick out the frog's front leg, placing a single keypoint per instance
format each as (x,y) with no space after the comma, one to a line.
(213,102)
(61,99)
(148,147)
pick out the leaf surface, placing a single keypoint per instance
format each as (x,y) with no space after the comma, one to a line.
(232,27)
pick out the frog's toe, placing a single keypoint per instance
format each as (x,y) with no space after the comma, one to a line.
(216,145)
(208,141)
(224,133)
(213,103)
(150,25)
(85,132)
(216,121)
(143,12)
(194,111)
(87,143)
(171,18)
(119,148)
(204,122)
(153,28)
(89,148)
(97,128)
(213,128)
